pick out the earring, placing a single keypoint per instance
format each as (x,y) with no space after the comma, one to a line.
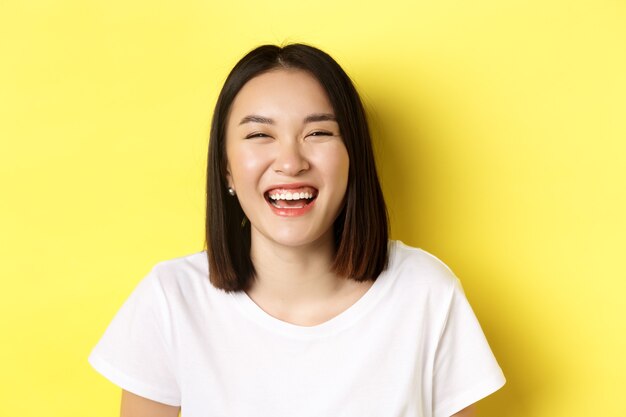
(231,191)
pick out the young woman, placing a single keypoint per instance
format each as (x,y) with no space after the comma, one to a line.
(300,306)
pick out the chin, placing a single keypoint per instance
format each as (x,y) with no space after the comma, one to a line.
(296,239)
(294,242)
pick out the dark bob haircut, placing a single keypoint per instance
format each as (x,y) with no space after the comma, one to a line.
(360,229)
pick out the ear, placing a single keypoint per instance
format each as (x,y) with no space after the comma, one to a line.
(229,177)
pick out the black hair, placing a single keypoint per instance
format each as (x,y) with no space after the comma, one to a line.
(361,228)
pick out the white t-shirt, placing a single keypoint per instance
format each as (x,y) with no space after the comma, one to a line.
(411,346)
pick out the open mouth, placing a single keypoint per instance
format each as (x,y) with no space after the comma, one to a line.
(291,198)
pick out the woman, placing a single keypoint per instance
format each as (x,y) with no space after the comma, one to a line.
(300,306)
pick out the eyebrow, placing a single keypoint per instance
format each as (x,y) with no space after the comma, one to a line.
(317,117)
(256,119)
(320,117)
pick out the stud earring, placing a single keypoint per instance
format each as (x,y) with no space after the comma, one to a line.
(231,191)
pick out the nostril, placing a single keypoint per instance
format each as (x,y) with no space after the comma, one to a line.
(292,163)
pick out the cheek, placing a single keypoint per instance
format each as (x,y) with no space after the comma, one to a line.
(246,164)
(337,165)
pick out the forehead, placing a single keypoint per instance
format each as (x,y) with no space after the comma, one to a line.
(281,94)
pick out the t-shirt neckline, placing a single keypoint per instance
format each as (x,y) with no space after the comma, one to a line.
(341,321)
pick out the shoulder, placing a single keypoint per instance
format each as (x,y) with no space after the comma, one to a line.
(192,265)
(416,271)
(180,277)
(421,265)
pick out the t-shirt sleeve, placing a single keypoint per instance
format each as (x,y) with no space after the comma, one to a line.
(134,352)
(465,369)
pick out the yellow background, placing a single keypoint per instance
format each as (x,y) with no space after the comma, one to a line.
(500,128)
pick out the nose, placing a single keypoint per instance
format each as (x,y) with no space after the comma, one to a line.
(290,159)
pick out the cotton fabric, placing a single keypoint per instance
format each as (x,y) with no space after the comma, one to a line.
(411,346)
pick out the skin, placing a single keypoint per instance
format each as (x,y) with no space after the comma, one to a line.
(283,147)
(136,406)
(272,139)
(292,256)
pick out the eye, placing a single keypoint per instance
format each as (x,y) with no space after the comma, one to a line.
(257,135)
(321,133)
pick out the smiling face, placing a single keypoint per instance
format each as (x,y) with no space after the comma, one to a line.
(286,159)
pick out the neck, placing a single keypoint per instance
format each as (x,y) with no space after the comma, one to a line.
(294,275)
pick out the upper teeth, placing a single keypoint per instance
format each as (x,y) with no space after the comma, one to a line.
(290,196)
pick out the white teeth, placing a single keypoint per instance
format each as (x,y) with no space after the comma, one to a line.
(291,196)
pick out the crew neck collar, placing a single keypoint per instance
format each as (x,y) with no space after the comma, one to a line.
(339,322)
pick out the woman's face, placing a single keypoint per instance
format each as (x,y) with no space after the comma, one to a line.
(286,159)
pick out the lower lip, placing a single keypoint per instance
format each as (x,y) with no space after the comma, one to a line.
(291,212)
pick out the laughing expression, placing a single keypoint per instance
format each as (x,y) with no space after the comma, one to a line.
(286,159)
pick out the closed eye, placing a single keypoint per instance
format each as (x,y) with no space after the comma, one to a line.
(257,135)
(320,133)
